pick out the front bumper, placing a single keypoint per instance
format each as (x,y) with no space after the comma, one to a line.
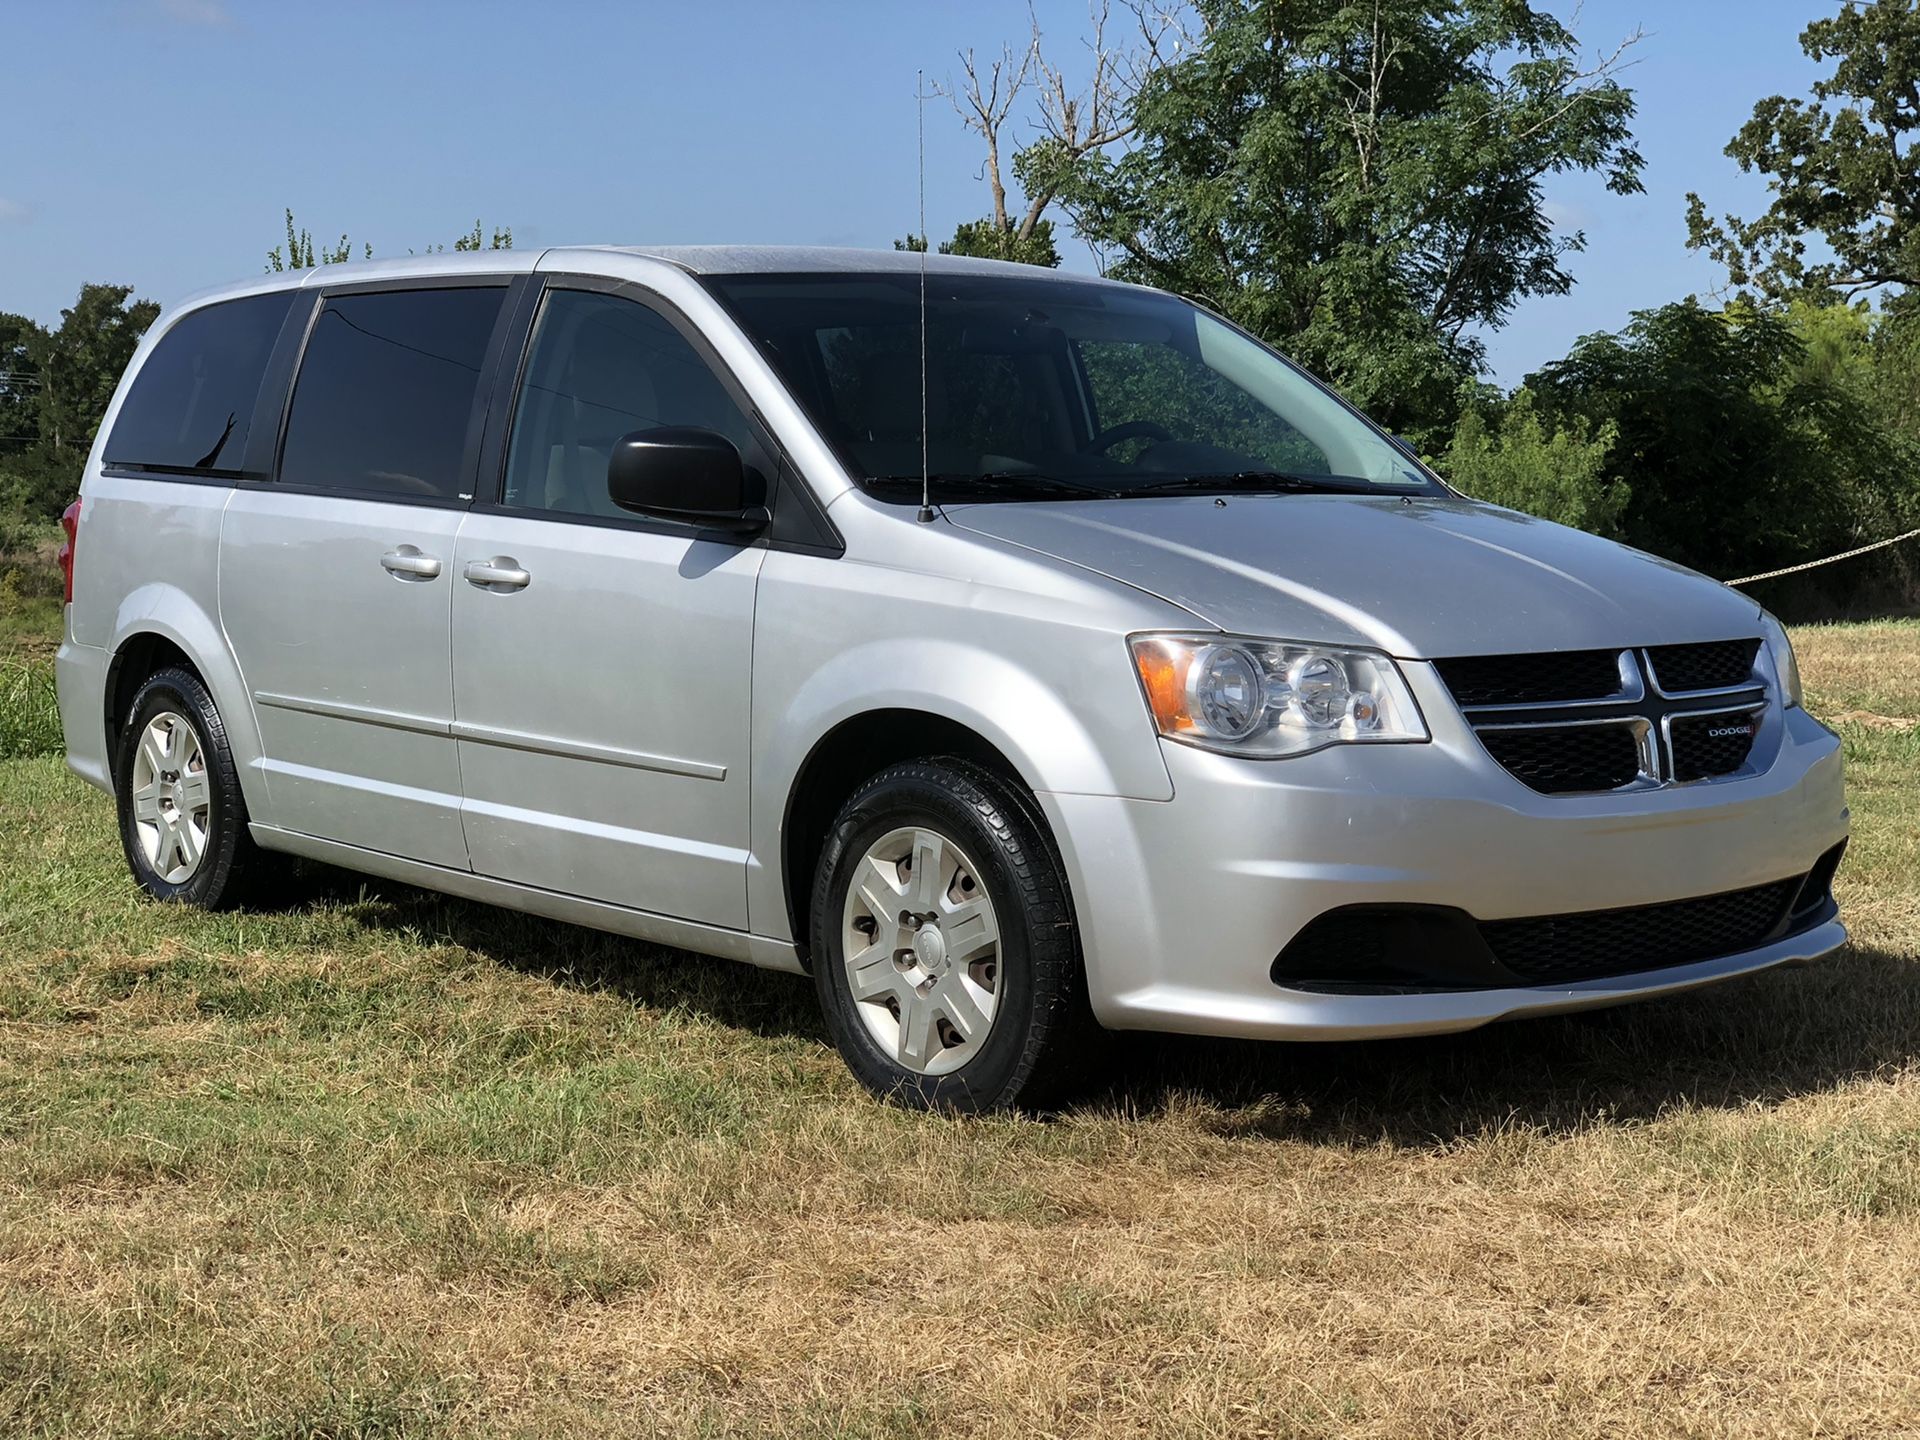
(1183,905)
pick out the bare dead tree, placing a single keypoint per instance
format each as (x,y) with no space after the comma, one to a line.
(1074,119)
(984,103)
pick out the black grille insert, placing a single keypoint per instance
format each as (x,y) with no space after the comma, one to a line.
(1411,949)
(1716,743)
(1553,949)
(1543,679)
(1568,759)
(1717,666)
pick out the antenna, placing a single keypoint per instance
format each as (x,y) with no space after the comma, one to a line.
(926,474)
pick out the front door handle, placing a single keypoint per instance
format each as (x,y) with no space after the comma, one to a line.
(502,572)
(406,562)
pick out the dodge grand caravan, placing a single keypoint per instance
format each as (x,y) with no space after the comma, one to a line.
(598,583)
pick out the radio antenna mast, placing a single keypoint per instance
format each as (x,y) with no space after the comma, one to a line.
(926,473)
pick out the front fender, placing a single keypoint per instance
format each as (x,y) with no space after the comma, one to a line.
(1013,709)
(1028,720)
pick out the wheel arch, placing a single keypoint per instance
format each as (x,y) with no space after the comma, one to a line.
(159,626)
(142,654)
(856,749)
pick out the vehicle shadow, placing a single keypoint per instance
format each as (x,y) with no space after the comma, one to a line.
(767,1003)
(1762,1040)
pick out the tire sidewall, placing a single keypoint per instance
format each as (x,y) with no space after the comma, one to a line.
(893,801)
(182,693)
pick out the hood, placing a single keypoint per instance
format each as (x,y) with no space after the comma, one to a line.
(1418,577)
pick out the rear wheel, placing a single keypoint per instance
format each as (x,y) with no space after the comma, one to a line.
(183,820)
(944,950)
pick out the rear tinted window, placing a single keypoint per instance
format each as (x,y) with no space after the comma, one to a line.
(192,402)
(386,390)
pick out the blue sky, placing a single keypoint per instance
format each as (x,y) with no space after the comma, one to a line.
(156,142)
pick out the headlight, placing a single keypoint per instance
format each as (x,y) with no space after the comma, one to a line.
(1786,669)
(1271,698)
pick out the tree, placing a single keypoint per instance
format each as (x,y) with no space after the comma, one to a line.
(21,343)
(1074,121)
(983,239)
(1841,166)
(1359,183)
(83,360)
(1742,445)
(300,254)
(54,389)
(1514,461)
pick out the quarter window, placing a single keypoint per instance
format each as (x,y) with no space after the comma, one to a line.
(386,392)
(602,367)
(192,403)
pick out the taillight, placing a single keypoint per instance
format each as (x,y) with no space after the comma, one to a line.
(69,522)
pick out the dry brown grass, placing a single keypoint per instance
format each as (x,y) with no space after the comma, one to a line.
(386,1165)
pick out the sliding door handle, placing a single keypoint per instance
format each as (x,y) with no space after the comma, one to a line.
(406,562)
(502,572)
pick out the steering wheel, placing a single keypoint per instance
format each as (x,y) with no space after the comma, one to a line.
(1130,430)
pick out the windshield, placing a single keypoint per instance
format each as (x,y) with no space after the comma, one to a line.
(1052,388)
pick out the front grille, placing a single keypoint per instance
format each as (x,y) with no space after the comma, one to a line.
(1568,759)
(1717,666)
(1716,743)
(1572,722)
(1532,679)
(1557,949)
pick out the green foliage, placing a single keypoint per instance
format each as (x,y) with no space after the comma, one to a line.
(1559,475)
(29,710)
(1893,364)
(22,344)
(300,254)
(1746,438)
(37,482)
(1358,184)
(1842,165)
(987,241)
(502,239)
(83,361)
(54,388)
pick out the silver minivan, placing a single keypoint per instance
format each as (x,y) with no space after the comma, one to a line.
(1021,654)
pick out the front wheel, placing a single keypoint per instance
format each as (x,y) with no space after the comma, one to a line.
(944,949)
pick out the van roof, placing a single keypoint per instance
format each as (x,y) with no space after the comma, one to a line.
(791,259)
(695,259)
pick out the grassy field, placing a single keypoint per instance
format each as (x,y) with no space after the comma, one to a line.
(383,1164)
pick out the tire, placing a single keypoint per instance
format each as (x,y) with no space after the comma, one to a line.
(183,820)
(908,1036)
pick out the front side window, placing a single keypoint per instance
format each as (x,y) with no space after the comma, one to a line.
(1050,388)
(192,403)
(602,367)
(386,392)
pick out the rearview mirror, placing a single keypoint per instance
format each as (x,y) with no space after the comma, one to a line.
(680,473)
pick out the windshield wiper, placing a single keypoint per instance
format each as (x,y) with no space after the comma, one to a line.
(1001,483)
(1286,481)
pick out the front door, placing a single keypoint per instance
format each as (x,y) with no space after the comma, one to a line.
(336,580)
(601,662)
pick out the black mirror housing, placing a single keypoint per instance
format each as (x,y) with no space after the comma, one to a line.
(681,473)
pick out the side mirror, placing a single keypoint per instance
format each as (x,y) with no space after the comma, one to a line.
(684,474)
